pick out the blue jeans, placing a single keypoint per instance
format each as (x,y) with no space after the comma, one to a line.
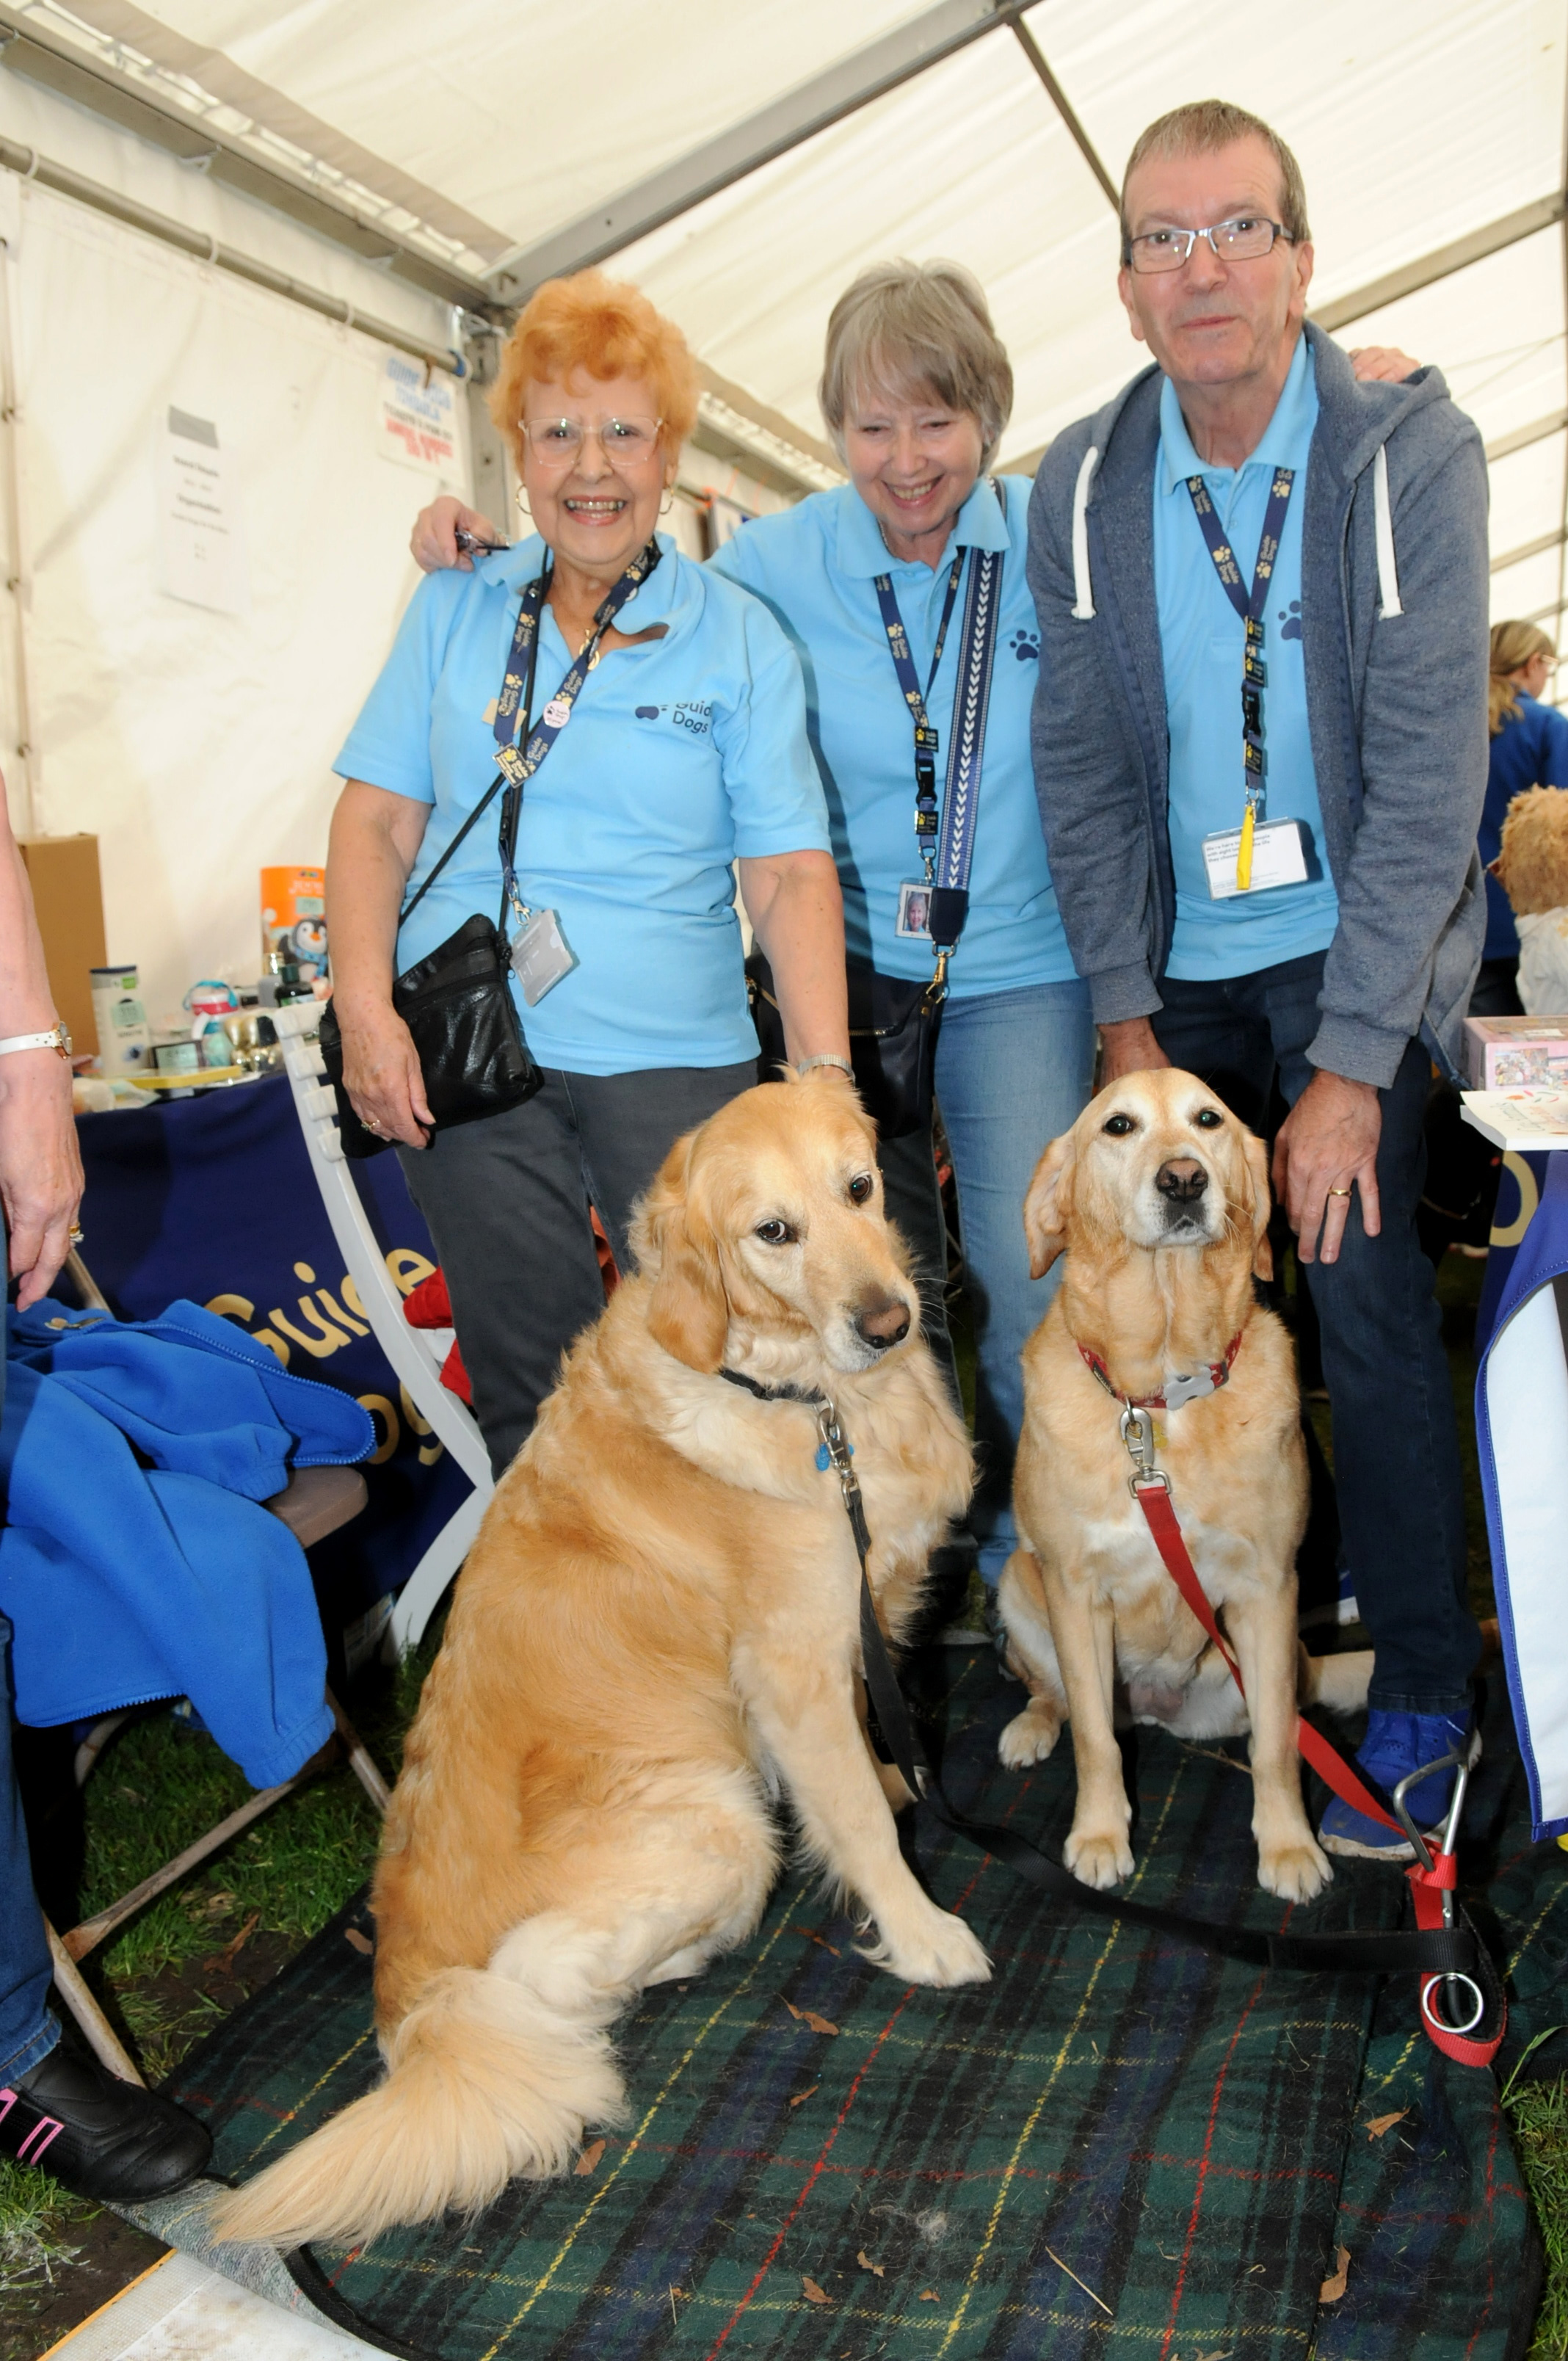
(1395,1445)
(1012,1072)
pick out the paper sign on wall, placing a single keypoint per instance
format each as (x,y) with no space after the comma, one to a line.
(417,416)
(198,517)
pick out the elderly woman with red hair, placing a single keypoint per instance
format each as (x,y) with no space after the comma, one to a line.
(672,714)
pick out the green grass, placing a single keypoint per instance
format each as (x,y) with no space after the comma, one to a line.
(1538,2116)
(35,2216)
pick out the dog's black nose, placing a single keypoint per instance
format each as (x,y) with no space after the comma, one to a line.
(882,1320)
(1182,1180)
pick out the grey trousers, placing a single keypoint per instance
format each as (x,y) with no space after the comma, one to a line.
(506,1201)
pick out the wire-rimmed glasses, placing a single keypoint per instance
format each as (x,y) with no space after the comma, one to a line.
(1247,238)
(625,442)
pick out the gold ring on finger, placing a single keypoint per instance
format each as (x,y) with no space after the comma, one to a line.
(1339,1192)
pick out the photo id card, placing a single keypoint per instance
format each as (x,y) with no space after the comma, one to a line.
(914,908)
(541,955)
(1278,858)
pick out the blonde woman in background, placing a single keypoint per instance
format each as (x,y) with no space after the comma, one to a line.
(1530,748)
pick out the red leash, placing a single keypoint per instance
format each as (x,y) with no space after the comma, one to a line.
(1428,1884)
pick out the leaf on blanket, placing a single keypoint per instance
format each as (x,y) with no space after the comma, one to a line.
(1381,2124)
(1332,2289)
(812,1936)
(929,2295)
(866,2263)
(810,2016)
(801,2097)
(590,2157)
(812,2292)
(361,1943)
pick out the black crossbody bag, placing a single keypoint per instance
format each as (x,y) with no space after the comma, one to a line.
(456,1002)
(895,1020)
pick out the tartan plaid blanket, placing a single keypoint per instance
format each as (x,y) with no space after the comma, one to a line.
(1120,2144)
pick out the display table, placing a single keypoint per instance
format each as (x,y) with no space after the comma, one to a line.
(212,1197)
(1521,1424)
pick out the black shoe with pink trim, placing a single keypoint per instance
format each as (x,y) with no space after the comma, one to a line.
(99,2136)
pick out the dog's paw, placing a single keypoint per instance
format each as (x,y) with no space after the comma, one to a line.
(939,1949)
(1294,1872)
(1030,1737)
(1097,1861)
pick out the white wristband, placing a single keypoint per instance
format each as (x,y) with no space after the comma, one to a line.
(826,1058)
(59,1040)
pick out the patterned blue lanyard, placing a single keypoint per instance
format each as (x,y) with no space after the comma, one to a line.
(518,766)
(1254,673)
(925,738)
(948,866)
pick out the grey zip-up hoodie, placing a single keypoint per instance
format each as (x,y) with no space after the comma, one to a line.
(1394,615)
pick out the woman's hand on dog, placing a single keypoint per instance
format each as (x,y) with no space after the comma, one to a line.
(1327,1148)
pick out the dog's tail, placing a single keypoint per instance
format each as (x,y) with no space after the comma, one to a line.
(490,2076)
(1338,1683)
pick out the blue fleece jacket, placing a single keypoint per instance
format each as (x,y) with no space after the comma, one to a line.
(1396,706)
(136,1562)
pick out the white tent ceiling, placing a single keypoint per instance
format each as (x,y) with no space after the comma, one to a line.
(499,137)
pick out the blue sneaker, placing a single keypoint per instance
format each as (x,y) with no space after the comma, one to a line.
(1395,1745)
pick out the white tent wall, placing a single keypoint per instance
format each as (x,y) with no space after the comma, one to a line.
(194,744)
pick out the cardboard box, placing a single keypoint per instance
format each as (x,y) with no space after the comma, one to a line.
(1516,1053)
(63,873)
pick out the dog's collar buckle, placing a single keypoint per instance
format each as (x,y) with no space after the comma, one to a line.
(1178,1390)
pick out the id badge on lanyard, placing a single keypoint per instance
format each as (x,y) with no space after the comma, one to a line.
(1260,853)
(541,955)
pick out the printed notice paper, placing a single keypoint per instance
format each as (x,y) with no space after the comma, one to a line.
(200,540)
(416,417)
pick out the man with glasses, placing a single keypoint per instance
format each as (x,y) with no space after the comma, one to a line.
(1260,751)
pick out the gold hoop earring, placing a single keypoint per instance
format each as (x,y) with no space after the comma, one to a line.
(667,503)
(521,497)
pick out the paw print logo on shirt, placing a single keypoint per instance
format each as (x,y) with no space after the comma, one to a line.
(1024,645)
(1291,622)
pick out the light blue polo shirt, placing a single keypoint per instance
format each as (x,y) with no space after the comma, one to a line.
(681,756)
(1203,639)
(816,565)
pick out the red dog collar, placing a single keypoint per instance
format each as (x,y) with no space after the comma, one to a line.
(1178,1390)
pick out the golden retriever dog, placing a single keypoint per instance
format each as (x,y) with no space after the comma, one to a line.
(1160,1199)
(658,1627)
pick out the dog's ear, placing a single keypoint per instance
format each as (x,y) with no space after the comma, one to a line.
(689,1312)
(1256,1155)
(1047,1208)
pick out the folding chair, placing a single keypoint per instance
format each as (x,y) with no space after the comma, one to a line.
(416,1355)
(317,1500)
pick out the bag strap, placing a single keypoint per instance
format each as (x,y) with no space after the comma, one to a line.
(508,840)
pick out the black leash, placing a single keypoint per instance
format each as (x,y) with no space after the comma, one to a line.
(1449,1950)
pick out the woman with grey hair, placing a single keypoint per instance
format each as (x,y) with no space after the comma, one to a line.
(872,583)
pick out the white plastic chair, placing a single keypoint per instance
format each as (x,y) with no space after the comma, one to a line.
(415,1355)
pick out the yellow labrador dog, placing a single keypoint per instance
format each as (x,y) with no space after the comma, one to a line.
(1160,1199)
(658,1624)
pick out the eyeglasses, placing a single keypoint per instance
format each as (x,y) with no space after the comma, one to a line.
(1245,240)
(625,442)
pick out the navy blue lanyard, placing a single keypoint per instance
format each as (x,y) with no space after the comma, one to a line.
(517,766)
(925,738)
(1254,673)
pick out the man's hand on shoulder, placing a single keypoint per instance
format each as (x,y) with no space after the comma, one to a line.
(1382,364)
(1327,1148)
(434,540)
(1129,1047)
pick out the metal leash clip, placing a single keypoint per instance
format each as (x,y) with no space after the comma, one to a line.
(1431,1873)
(838,1450)
(1138,1433)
